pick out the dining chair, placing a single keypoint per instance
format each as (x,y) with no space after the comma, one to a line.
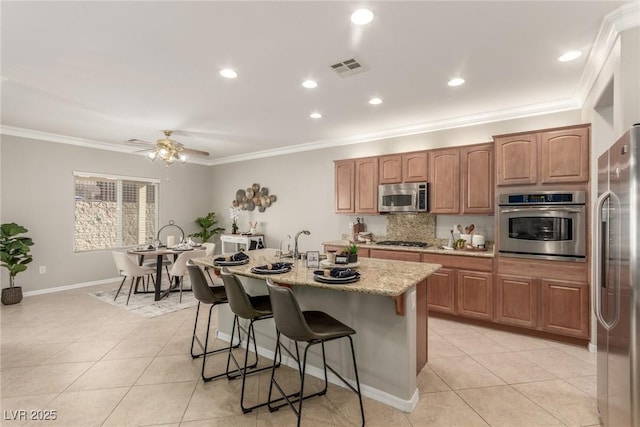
(179,267)
(127,267)
(312,327)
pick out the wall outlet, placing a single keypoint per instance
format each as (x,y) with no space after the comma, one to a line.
(43,269)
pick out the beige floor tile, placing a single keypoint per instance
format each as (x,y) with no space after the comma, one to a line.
(16,411)
(440,347)
(82,408)
(41,379)
(513,368)
(27,354)
(218,399)
(580,352)
(588,384)
(475,343)
(131,347)
(247,420)
(112,373)
(503,406)
(345,410)
(463,372)
(444,326)
(152,404)
(429,382)
(559,362)
(84,351)
(518,342)
(562,400)
(444,409)
(170,369)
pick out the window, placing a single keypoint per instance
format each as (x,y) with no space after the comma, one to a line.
(114,211)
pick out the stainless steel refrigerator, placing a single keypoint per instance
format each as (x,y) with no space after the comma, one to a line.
(617,290)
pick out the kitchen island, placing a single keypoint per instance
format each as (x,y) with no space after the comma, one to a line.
(387,307)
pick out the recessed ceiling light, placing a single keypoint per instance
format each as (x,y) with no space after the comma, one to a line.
(570,56)
(310,84)
(375,101)
(362,17)
(315,115)
(228,73)
(455,82)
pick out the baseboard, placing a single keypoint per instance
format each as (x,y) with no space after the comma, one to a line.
(368,391)
(69,287)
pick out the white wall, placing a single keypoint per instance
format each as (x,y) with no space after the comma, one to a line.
(38,192)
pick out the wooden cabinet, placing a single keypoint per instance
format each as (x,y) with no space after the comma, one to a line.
(366,190)
(405,167)
(415,167)
(390,169)
(543,157)
(516,300)
(444,183)
(395,255)
(477,164)
(565,156)
(441,291)
(565,307)
(356,185)
(345,181)
(475,294)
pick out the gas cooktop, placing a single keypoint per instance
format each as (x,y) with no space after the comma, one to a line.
(403,243)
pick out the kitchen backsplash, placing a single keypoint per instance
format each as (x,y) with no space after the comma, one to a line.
(420,227)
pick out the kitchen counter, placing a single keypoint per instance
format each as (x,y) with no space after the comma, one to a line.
(390,344)
(430,250)
(377,276)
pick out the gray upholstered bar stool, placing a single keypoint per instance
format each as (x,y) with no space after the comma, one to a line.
(252,308)
(213,296)
(312,327)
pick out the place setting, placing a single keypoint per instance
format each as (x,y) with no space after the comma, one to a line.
(272,268)
(336,276)
(239,258)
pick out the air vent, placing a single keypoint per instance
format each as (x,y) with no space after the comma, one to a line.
(349,67)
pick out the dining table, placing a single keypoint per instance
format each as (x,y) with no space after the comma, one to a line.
(159,253)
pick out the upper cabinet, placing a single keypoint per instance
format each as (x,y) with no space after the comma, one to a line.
(543,157)
(444,182)
(366,190)
(405,167)
(345,180)
(565,155)
(477,164)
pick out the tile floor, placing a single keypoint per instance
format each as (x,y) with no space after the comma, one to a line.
(97,365)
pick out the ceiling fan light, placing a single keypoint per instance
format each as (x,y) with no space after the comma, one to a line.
(152,155)
(163,152)
(182,157)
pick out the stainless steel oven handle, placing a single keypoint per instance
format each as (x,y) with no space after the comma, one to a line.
(542,208)
(598,261)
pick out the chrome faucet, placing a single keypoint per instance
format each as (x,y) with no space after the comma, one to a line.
(288,236)
(295,243)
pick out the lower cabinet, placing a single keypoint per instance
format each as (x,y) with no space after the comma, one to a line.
(441,291)
(475,294)
(516,301)
(565,307)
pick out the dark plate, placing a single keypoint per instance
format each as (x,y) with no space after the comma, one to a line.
(231,263)
(335,280)
(259,270)
(142,250)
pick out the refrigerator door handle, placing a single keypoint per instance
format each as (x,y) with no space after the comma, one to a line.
(597,289)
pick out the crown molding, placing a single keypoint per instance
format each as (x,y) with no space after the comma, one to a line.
(621,19)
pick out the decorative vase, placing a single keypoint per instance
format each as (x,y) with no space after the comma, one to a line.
(11,295)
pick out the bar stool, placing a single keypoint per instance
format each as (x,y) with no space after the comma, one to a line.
(213,296)
(312,327)
(252,308)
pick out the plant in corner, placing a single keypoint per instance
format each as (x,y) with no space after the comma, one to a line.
(206,231)
(352,252)
(14,256)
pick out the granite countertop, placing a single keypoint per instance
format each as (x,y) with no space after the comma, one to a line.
(377,276)
(430,250)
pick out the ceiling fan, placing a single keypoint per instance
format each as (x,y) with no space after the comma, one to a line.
(168,149)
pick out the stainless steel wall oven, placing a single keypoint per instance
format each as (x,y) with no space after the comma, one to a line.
(543,224)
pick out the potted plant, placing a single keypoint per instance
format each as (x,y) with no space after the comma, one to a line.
(352,252)
(206,231)
(14,256)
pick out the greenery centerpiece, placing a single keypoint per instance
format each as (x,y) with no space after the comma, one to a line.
(233,214)
(351,252)
(207,230)
(14,256)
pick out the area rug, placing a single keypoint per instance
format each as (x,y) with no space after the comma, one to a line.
(144,304)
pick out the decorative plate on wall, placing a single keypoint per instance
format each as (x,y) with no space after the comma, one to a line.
(252,197)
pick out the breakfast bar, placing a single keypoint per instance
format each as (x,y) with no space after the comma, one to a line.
(387,307)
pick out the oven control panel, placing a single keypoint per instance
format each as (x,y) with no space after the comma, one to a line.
(543,198)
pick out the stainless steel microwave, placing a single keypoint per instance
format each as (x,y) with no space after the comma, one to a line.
(408,197)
